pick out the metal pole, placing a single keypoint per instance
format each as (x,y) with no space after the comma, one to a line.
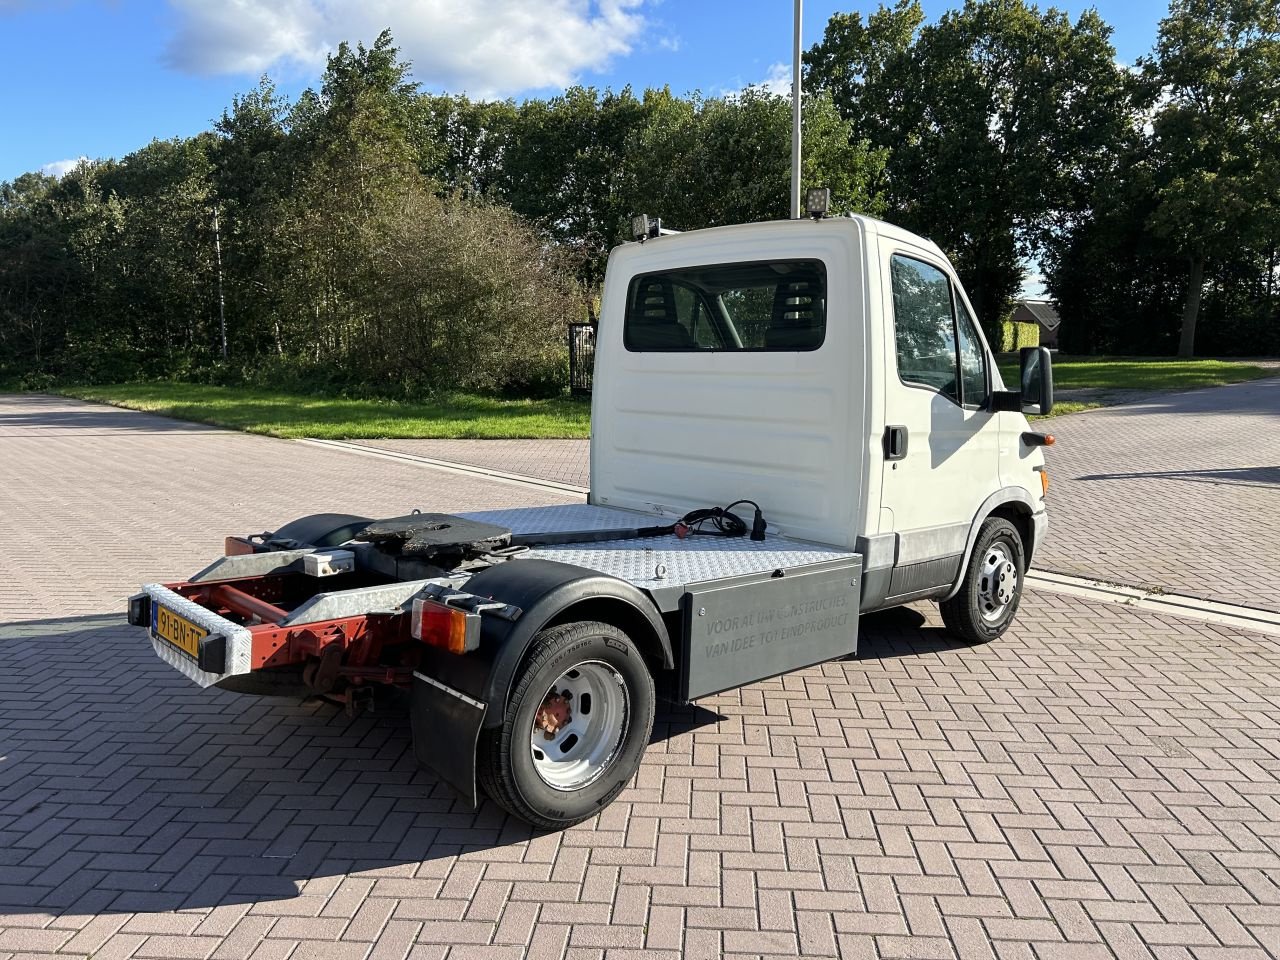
(795,119)
(222,303)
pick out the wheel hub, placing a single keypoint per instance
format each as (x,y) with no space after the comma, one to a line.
(998,584)
(580,725)
(554,714)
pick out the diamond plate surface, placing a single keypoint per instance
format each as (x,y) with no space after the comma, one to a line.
(568,516)
(694,560)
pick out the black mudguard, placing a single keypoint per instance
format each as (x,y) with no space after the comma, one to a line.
(454,697)
(323,529)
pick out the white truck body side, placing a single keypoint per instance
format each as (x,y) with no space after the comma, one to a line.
(803,432)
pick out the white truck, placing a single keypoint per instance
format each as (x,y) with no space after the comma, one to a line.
(823,378)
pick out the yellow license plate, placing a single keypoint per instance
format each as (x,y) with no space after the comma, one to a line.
(176,630)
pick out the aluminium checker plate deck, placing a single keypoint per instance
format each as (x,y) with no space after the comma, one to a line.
(697,559)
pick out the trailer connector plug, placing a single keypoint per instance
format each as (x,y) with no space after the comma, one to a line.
(681,530)
(758,526)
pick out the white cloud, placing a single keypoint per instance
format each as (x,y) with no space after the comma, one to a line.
(776,81)
(482,47)
(60,168)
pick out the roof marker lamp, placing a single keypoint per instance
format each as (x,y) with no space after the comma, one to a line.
(817,201)
(643,227)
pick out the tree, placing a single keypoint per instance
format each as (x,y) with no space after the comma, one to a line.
(566,166)
(1117,286)
(993,119)
(37,279)
(1216,139)
(705,163)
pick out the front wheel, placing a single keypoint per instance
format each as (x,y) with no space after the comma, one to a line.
(575,728)
(988,598)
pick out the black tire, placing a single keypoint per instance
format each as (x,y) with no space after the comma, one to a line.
(968,614)
(505,763)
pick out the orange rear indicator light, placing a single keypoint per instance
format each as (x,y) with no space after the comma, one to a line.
(449,628)
(1033,439)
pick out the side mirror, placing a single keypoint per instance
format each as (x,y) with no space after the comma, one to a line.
(1035,393)
(1037,380)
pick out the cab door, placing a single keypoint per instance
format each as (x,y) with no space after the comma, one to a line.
(941,438)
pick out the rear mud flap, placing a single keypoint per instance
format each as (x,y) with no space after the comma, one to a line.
(446,728)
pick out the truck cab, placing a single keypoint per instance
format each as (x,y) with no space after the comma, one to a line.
(832,369)
(793,423)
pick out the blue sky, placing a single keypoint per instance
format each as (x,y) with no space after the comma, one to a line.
(100,78)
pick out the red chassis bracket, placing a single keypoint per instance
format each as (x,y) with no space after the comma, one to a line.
(360,644)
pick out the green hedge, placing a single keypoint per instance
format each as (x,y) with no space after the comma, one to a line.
(1015,336)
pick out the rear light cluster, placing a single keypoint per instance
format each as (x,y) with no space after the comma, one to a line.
(449,628)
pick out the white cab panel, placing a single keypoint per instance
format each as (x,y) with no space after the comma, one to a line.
(952,461)
(674,431)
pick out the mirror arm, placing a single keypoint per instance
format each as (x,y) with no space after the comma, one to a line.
(1006,401)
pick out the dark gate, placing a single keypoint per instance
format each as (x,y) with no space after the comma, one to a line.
(582,358)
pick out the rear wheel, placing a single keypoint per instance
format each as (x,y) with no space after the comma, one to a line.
(575,728)
(988,598)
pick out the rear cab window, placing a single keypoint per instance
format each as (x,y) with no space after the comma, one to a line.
(775,305)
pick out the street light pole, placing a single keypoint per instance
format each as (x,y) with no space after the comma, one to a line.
(795,118)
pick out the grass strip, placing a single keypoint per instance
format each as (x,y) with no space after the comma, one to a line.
(292,415)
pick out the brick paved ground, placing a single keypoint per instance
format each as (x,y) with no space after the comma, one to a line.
(1097,783)
(567,461)
(95,501)
(1180,492)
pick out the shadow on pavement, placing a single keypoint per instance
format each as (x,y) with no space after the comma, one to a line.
(1250,397)
(56,413)
(124,788)
(1236,476)
(902,632)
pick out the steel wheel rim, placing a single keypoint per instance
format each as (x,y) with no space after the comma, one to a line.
(997,582)
(579,752)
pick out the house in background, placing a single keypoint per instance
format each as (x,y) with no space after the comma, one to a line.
(1044,315)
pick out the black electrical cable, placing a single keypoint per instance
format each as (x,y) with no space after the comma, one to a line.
(722,519)
(726,524)
(758,524)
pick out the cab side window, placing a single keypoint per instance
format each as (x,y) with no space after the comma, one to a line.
(973,359)
(924,326)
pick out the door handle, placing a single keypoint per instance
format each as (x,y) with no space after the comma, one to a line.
(895,443)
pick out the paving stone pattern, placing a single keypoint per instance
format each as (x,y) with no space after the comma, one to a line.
(1180,493)
(567,461)
(95,500)
(1097,783)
